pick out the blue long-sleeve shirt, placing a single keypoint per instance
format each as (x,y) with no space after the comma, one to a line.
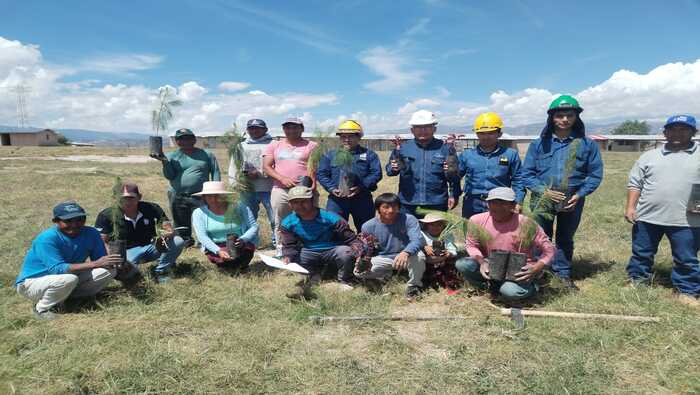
(403,235)
(423,182)
(483,171)
(365,166)
(52,252)
(326,230)
(546,160)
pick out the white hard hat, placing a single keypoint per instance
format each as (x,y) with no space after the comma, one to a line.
(423,117)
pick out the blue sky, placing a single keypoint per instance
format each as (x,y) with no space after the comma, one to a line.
(98,65)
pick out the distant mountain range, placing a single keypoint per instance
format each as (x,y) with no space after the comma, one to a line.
(535,128)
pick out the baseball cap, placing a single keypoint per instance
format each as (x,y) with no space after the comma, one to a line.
(256,123)
(183,132)
(300,193)
(68,210)
(501,193)
(130,189)
(294,120)
(688,120)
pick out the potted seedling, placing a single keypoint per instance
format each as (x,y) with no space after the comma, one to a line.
(370,248)
(160,117)
(396,155)
(346,180)
(116,244)
(323,145)
(456,228)
(233,250)
(160,242)
(569,167)
(452,162)
(526,236)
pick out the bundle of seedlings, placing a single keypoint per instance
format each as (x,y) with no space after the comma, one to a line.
(160,241)
(323,146)
(452,161)
(161,116)
(240,188)
(347,179)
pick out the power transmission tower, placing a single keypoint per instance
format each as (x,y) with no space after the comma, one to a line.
(22,117)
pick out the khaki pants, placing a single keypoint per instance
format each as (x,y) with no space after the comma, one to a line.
(281,208)
(383,266)
(50,290)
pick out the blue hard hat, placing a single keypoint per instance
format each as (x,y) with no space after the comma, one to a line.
(256,123)
(688,120)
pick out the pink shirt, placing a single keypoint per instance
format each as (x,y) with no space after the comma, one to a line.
(290,160)
(505,236)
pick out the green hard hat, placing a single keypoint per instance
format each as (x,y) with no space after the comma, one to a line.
(564,102)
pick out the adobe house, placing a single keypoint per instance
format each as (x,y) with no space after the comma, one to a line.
(45,137)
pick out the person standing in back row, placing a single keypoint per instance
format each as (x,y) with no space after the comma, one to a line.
(286,161)
(187,169)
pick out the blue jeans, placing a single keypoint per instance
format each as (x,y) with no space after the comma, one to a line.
(253,200)
(685,242)
(166,260)
(567,224)
(361,207)
(508,289)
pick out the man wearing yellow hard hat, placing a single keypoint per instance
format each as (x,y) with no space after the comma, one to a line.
(489,165)
(350,175)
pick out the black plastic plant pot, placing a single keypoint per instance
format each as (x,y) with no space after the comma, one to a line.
(438,247)
(694,202)
(516,262)
(345,182)
(156,145)
(117,247)
(498,264)
(231,246)
(559,207)
(399,161)
(160,244)
(452,163)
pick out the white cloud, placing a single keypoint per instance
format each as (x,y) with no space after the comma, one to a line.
(233,86)
(392,66)
(415,105)
(191,91)
(121,63)
(257,93)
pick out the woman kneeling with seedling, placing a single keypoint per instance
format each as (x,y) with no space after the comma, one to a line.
(506,261)
(226,230)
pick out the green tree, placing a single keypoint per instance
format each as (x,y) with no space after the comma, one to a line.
(632,127)
(63,140)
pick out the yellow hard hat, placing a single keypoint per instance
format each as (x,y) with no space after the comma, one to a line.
(350,126)
(488,122)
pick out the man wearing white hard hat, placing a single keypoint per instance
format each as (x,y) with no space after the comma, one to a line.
(421,168)
(507,236)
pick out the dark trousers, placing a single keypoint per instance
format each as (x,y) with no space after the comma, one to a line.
(567,224)
(685,242)
(473,204)
(361,207)
(341,258)
(411,209)
(181,206)
(245,255)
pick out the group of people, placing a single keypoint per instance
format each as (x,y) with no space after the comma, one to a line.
(412,230)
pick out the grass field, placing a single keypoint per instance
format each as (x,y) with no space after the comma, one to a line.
(206,332)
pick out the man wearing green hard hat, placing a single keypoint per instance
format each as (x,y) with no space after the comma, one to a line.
(561,168)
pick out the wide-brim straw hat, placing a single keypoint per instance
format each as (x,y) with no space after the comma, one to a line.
(213,188)
(432,217)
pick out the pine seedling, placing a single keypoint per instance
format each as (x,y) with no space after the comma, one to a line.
(162,114)
(323,146)
(116,213)
(459,228)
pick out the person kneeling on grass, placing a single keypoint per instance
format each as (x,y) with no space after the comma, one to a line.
(400,242)
(504,229)
(440,260)
(137,222)
(315,238)
(55,267)
(217,221)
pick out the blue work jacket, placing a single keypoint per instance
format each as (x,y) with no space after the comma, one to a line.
(546,158)
(483,171)
(423,182)
(365,166)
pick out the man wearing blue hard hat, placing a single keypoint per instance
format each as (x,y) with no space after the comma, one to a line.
(254,150)
(661,201)
(56,267)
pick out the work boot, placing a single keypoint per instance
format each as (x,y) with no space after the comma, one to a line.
(302,288)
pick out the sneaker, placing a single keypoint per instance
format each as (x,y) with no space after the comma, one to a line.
(46,315)
(569,284)
(345,286)
(688,300)
(412,292)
